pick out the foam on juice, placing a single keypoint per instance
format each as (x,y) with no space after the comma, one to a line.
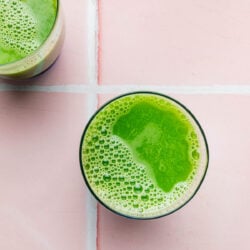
(24,26)
(140,154)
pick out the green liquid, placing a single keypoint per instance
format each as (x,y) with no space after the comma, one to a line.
(140,154)
(24,26)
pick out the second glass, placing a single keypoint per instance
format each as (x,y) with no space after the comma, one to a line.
(31,40)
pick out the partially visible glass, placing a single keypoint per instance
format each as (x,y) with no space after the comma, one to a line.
(42,58)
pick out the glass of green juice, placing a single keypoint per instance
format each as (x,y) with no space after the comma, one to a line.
(143,155)
(31,37)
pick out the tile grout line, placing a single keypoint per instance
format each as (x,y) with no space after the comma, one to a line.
(92,103)
(99,40)
(99,70)
(181,89)
(93,87)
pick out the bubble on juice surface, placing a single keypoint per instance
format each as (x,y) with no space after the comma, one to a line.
(128,185)
(18,27)
(24,25)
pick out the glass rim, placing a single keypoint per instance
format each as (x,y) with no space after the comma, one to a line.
(150,93)
(31,55)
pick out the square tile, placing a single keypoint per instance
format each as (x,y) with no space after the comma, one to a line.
(174,42)
(42,192)
(218,216)
(71,66)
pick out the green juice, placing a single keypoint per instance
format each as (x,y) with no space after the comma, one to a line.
(143,155)
(25,26)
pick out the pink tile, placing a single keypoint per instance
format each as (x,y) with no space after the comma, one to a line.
(42,193)
(174,42)
(71,66)
(218,216)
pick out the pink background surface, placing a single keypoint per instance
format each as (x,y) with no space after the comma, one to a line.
(42,192)
(174,42)
(43,198)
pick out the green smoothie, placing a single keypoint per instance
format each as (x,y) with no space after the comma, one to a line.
(24,26)
(143,155)
(26,33)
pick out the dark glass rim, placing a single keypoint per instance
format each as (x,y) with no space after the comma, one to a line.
(149,93)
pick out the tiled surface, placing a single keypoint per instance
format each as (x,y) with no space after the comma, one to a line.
(43,201)
(68,69)
(168,42)
(218,216)
(42,195)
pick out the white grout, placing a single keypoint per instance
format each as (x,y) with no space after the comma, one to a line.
(91,222)
(94,88)
(92,102)
(91,204)
(179,89)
